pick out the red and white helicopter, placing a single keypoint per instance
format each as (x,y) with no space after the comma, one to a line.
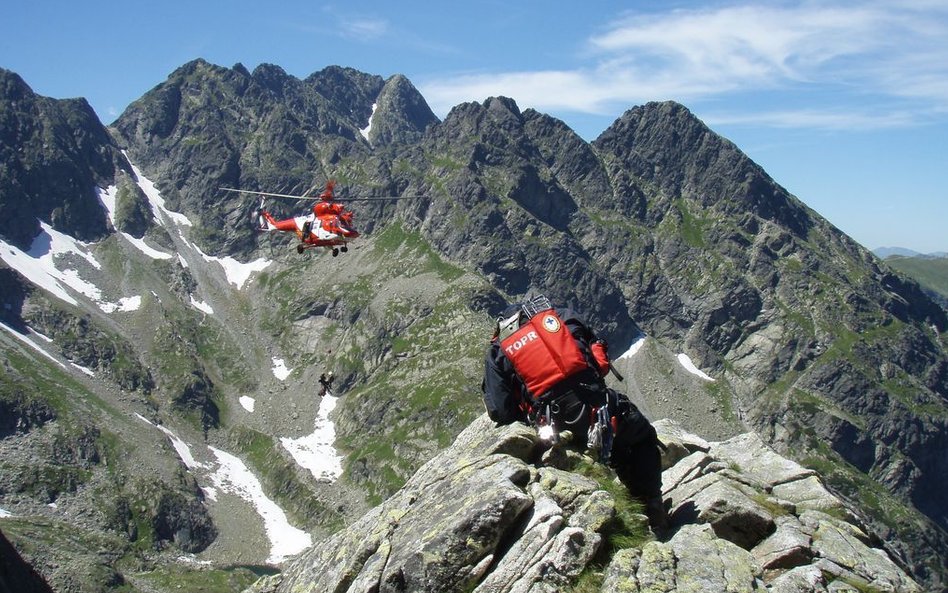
(329,225)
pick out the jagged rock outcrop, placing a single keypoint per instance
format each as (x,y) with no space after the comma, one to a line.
(741,286)
(509,215)
(208,127)
(485,516)
(400,116)
(82,342)
(54,154)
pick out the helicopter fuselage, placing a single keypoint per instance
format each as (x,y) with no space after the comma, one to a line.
(328,229)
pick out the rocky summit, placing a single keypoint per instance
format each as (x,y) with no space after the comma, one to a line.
(496,513)
(161,421)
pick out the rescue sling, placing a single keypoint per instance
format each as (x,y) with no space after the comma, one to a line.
(543,352)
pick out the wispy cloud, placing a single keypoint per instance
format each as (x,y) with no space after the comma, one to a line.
(814,118)
(839,64)
(352,26)
(369,29)
(363,28)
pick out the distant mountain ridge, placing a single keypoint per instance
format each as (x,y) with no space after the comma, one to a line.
(887,252)
(658,226)
(930,271)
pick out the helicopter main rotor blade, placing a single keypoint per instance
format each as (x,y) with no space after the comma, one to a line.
(335,198)
(379,199)
(269,194)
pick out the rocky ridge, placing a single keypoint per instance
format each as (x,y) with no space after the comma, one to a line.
(494,513)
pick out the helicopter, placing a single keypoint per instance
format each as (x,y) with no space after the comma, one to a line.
(329,225)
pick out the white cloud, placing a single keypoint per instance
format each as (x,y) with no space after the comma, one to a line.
(827,57)
(364,28)
(826,120)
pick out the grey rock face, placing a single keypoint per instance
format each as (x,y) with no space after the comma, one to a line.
(401,114)
(798,535)
(54,153)
(482,517)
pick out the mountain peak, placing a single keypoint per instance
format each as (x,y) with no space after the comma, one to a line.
(664,143)
(401,113)
(56,152)
(13,87)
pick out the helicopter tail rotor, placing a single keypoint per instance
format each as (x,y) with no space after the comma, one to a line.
(262,219)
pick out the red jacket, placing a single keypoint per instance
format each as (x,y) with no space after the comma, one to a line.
(544,353)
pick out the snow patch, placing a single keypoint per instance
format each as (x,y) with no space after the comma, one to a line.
(192,559)
(154,198)
(5,513)
(315,452)
(247,402)
(365,131)
(184,451)
(43,337)
(145,248)
(85,370)
(31,343)
(201,305)
(633,349)
(182,448)
(107,199)
(233,477)
(279,369)
(38,264)
(238,273)
(126,304)
(686,362)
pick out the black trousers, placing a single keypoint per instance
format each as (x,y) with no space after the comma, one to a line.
(635,449)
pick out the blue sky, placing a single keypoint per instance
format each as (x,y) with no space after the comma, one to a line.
(845,104)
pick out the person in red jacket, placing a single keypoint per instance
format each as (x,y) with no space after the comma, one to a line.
(545,367)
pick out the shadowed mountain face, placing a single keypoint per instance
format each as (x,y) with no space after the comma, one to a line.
(658,226)
(16,574)
(50,149)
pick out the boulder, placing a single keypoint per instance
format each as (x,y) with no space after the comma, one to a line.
(695,559)
(486,515)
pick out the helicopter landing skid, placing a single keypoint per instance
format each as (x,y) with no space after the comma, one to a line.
(301,247)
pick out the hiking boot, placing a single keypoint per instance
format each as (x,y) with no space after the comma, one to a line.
(657,515)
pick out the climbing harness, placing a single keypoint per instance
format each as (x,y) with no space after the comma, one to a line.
(602,428)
